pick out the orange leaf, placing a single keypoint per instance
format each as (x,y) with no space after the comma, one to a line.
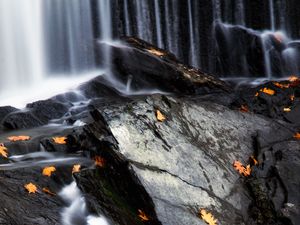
(31,188)
(19,138)
(268,91)
(292,97)
(3,150)
(47,191)
(254,160)
(245,171)
(99,161)
(280,85)
(47,171)
(207,217)
(76,168)
(297,136)
(60,140)
(256,94)
(244,108)
(143,216)
(160,117)
(293,78)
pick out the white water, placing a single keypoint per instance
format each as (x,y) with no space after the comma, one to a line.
(272,16)
(21,43)
(193,55)
(158,24)
(76,211)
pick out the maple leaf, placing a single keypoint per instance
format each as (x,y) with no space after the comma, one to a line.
(31,188)
(245,171)
(160,117)
(19,138)
(207,217)
(76,168)
(267,91)
(47,171)
(143,216)
(297,136)
(244,108)
(3,150)
(47,191)
(99,161)
(60,140)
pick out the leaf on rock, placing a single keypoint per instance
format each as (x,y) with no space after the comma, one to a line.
(245,171)
(244,108)
(99,161)
(47,191)
(76,168)
(267,91)
(287,109)
(155,52)
(60,140)
(297,136)
(254,160)
(292,97)
(293,78)
(47,171)
(3,150)
(160,117)
(31,188)
(207,217)
(19,138)
(143,216)
(280,85)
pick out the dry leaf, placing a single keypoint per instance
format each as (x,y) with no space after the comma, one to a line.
(245,171)
(207,217)
(293,78)
(99,161)
(297,136)
(3,150)
(267,91)
(19,138)
(60,140)
(155,52)
(143,216)
(160,117)
(287,109)
(280,85)
(31,188)
(292,97)
(244,108)
(47,191)
(254,160)
(76,168)
(256,94)
(47,171)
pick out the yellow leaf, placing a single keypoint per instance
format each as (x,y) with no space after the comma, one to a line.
(280,85)
(76,168)
(297,136)
(3,150)
(160,117)
(31,188)
(245,171)
(293,78)
(60,140)
(255,162)
(99,161)
(143,216)
(47,191)
(287,109)
(268,91)
(47,171)
(19,138)
(207,217)
(292,97)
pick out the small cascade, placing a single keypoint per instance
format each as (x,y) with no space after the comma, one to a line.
(158,24)
(272,16)
(193,54)
(126,16)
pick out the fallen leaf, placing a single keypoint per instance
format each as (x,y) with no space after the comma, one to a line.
(155,52)
(293,78)
(244,108)
(143,216)
(267,91)
(47,171)
(297,136)
(292,97)
(99,161)
(76,168)
(254,160)
(160,117)
(207,217)
(256,94)
(60,140)
(31,188)
(19,138)
(245,171)
(280,85)
(3,150)
(287,109)
(47,191)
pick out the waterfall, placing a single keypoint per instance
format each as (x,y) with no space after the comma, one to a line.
(21,44)
(158,24)
(126,16)
(272,16)
(193,54)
